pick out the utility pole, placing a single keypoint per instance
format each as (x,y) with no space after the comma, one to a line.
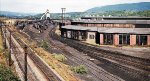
(10,49)
(63,9)
(64,16)
(147,13)
(5,37)
(25,63)
(147,17)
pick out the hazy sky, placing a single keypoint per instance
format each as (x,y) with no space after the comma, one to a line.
(38,6)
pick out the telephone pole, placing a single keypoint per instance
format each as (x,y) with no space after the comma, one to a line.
(63,10)
(10,49)
(5,37)
(25,63)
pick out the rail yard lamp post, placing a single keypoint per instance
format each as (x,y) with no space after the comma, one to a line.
(63,10)
(25,63)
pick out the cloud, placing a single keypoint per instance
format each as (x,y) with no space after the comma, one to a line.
(56,5)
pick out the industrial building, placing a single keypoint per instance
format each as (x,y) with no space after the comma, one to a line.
(118,32)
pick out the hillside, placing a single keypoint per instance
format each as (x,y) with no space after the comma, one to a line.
(15,14)
(141,9)
(119,7)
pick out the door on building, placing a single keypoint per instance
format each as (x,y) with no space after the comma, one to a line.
(82,35)
(108,39)
(97,39)
(141,39)
(124,39)
(69,34)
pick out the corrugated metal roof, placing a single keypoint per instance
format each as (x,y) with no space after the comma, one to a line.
(141,30)
(110,30)
(127,30)
(118,30)
(80,28)
(115,21)
(118,18)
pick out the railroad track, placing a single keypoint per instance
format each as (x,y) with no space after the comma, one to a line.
(19,58)
(143,70)
(17,52)
(45,69)
(122,59)
(96,71)
(139,67)
(50,75)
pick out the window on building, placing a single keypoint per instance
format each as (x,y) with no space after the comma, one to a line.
(91,37)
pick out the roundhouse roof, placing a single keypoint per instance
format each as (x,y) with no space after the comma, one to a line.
(118,18)
(113,21)
(110,30)
(73,27)
(127,30)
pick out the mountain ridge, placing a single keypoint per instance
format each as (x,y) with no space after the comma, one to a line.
(119,7)
(17,14)
(139,9)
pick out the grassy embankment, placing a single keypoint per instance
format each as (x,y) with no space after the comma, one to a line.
(6,73)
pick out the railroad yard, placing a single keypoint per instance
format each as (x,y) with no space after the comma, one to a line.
(75,46)
(102,63)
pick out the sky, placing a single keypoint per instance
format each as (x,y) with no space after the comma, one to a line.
(54,6)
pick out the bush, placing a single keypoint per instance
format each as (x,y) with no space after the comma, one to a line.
(79,69)
(6,74)
(60,57)
(6,54)
(45,45)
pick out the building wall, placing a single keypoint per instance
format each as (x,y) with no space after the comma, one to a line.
(89,39)
(101,39)
(116,40)
(89,25)
(106,25)
(132,40)
(99,25)
(148,40)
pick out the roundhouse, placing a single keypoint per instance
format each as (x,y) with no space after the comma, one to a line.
(110,30)
(108,36)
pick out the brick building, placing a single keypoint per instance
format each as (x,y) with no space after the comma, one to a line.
(111,31)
